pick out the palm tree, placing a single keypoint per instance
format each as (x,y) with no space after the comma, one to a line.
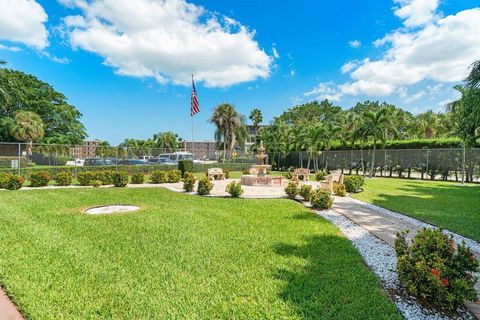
(374,126)
(429,123)
(166,140)
(28,127)
(473,79)
(256,117)
(230,126)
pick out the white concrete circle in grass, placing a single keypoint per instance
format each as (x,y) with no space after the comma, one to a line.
(111,209)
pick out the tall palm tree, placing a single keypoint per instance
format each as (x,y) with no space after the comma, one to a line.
(256,117)
(166,140)
(429,123)
(374,126)
(28,127)
(230,126)
(473,79)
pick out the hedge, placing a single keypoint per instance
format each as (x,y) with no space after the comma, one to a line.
(442,143)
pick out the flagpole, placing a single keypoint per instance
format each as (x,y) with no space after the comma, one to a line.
(193,143)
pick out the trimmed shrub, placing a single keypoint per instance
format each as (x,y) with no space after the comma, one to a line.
(306,192)
(96,183)
(39,179)
(321,199)
(159,177)
(434,269)
(204,186)
(120,179)
(63,178)
(14,182)
(292,189)
(234,188)
(174,176)
(188,182)
(339,189)
(86,178)
(320,175)
(227,173)
(185,166)
(105,176)
(4,178)
(138,178)
(353,183)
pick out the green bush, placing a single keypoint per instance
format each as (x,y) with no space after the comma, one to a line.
(188,182)
(234,188)
(159,177)
(227,173)
(339,189)
(321,199)
(86,178)
(63,178)
(14,182)
(292,189)
(204,186)
(96,183)
(353,183)
(434,269)
(306,192)
(174,176)
(105,176)
(138,178)
(185,166)
(320,175)
(120,179)
(39,179)
(4,178)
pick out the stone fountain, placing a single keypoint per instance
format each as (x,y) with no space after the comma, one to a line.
(258,173)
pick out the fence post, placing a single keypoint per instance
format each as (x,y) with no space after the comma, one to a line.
(116,159)
(19,156)
(426,168)
(463,164)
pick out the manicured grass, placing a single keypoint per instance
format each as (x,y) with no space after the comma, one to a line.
(181,257)
(445,204)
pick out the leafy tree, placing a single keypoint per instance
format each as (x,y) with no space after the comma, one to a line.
(23,92)
(311,112)
(466,113)
(28,127)
(169,141)
(473,79)
(256,117)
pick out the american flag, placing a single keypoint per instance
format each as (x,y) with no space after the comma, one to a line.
(194,107)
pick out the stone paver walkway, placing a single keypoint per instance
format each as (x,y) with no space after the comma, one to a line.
(385,228)
(8,311)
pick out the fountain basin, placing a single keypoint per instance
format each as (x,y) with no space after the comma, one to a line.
(254,180)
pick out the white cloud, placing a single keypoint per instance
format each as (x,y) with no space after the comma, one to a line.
(349,66)
(276,55)
(415,13)
(9,48)
(417,96)
(325,90)
(23,21)
(441,51)
(167,40)
(355,43)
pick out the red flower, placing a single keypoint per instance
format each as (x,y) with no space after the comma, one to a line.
(435,272)
(444,281)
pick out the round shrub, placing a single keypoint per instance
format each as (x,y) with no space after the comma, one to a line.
(174,176)
(120,179)
(14,182)
(105,176)
(185,166)
(434,269)
(63,178)
(353,183)
(158,177)
(39,179)
(292,189)
(204,186)
(234,188)
(188,182)
(138,178)
(321,199)
(339,189)
(306,192)
(4,178)
(86,178)
(320,175)
(96,183)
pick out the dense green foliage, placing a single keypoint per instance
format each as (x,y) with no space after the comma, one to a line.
(444,204)
(188,181)
(186,166)
(204,186)
(230,127)
(339,189)
(292,189)
(138,178)
(120,179)
(23,92)
(11,181)
(353,183)
(63,178)
(321,199)
(39,179)
(320,175)
(305,192)
(234,188)
(433,268)
(258,259)
(167,141)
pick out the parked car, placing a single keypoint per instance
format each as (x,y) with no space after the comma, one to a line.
(132,162)
(181,155)
(90,162)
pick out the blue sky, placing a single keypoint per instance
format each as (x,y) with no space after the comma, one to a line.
(126,67)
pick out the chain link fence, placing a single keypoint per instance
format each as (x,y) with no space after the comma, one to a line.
(428,164)
(24,157)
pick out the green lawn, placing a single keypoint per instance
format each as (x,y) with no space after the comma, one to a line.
(181,257)
(444,204)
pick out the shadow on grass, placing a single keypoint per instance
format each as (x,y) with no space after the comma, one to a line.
(328,280)
(447,205)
